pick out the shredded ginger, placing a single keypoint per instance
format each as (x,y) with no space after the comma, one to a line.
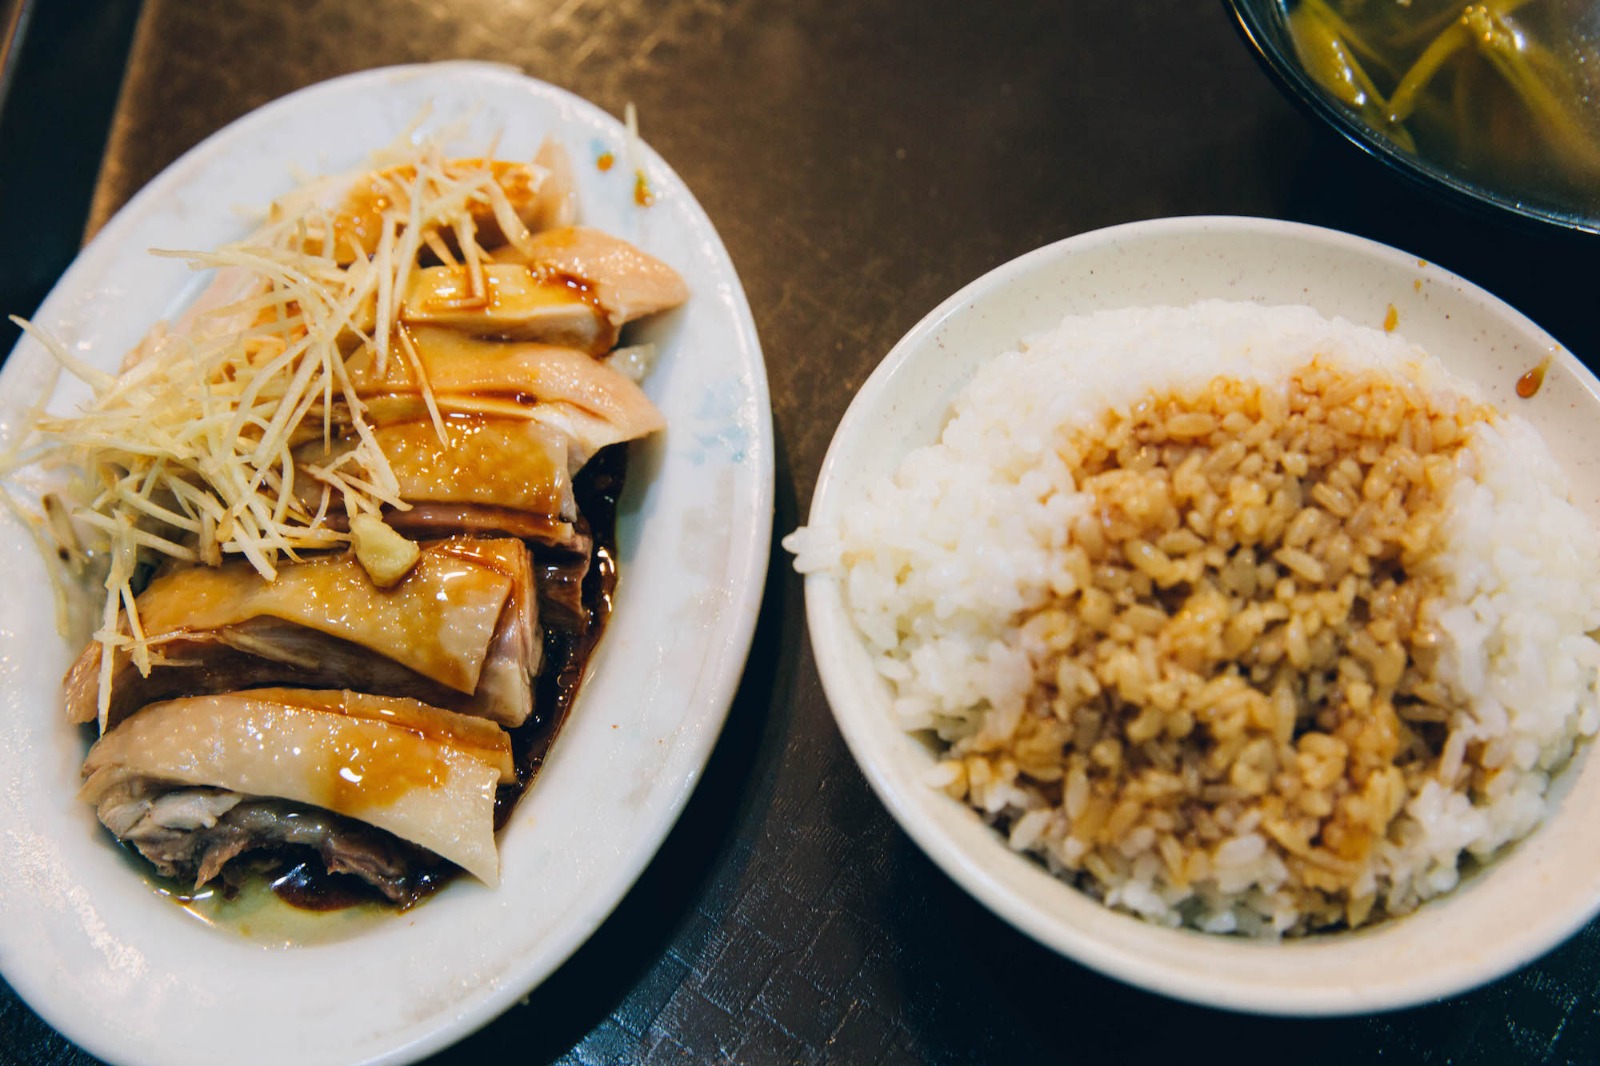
(188,453)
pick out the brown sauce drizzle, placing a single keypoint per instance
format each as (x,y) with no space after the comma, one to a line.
(584,290)
(1529,383)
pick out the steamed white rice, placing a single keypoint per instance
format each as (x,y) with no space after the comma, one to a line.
(938,566)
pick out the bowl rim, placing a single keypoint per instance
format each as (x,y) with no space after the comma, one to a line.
(1256,29)
(947,838)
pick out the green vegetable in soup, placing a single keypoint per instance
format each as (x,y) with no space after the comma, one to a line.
(1506,92)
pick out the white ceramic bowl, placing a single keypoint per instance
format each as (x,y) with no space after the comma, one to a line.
(1524,904)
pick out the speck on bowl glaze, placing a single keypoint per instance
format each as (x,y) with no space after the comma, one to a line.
(1550,881)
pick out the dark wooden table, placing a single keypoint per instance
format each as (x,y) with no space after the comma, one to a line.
(862,161)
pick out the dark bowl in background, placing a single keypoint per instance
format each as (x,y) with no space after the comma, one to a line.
(1264,26)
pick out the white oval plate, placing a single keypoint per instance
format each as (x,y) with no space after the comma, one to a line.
(1532,899)
(134,979)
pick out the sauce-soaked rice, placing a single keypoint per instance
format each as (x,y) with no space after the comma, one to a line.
(1248,649)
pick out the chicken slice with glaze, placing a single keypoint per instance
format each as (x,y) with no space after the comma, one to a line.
(425,774)
(460,630)
(626,282)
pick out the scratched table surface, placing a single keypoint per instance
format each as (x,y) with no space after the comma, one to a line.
(862,161)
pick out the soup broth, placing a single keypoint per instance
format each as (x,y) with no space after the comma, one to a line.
(1505,93)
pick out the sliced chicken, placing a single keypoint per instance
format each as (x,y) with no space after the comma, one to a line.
(627,282)
(460,369)
(441,519)
(588,402)
(460,630)
(555,204)
(192,834)
(359,204)
(509,301)
(560,580)
(501,462)
(425,774)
